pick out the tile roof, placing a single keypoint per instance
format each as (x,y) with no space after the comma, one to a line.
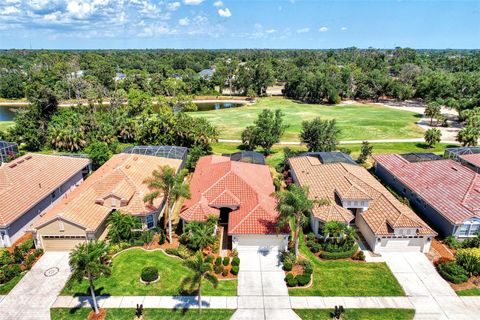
(122,179)
(472,158)
(327,181)
(246,188)
(449,187)
(29,179)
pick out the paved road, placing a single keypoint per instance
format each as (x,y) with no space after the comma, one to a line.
(37,291)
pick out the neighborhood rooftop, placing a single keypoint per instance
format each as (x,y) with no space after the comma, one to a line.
(118,184)
(336,182)
(246,188)
(28,179)
(451,188)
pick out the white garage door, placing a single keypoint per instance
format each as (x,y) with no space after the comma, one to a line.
(57,243)
(259,242)
(401,245)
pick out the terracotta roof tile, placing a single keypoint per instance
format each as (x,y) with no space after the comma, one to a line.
(472,158)
(220,182)
(326,181)
(449,187)
(29,179)
(122,177)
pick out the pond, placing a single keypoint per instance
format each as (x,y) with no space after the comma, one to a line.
(7,113)
(208,106)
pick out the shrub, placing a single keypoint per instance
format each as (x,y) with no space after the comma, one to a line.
(307,266)
(291,281)
(149,274)
(26,246)
(315,247)
(471,242)
(29,261)
(287,266)
(209,258)
(225,272)
(218,261)
(38,252)
(218,269)
(235,270)
(469,259)
(288,256)
(452,242)
(303,279)
(17,255)
(452,272)
(172,251)
(6,258)
(162,237)
(234,253)
(226,261)
(183,252)
(339,255)
(311,236)
(443,260)
(235,261)
(359,256)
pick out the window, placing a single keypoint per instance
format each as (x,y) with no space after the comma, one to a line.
(53,195)
(150,223)
(61,226)
(464,230)
(474,228)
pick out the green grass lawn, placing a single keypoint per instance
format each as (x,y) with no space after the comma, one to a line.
(469,292)
(356,122)
(128,314)
(6,287)
(4,125)
(378,148)
(125,277)
(347,278)
(358,314)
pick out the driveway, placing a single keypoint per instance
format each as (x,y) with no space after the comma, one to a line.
(432,297)
(37,291)
(262,292)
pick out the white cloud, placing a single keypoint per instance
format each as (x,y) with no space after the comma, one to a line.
(184,22)
(323,29)
(303,30)
(218,4)
(270,31)
(78,9)
(12,1)
(224,13)
(51,17)
(192,2)
(343,28)
(9,10)
(172,6)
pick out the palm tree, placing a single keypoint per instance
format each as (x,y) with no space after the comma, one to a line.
(89,260)
(294,206)
(122,227)
(165,181)
(201,271)
(200,234)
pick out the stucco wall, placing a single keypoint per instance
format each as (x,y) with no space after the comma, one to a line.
(366,232)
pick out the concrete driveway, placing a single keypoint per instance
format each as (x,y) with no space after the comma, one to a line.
(262,292)
(37,291)
(432,297)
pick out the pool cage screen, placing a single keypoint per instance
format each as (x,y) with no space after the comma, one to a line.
(246,156)
(171,152)
(329,157)
(8,151)
(455,153)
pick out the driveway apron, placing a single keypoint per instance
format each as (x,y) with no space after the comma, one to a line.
(262,292)
(37,291)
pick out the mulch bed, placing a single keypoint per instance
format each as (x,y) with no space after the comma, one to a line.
(101,316)
(473,282)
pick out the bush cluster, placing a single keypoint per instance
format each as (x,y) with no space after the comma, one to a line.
(181,252)
(469,259)
(452,272)
(10,263)
(301,279)
(226,261)
(339,255)
(235,270)
(360,256)
(235,261)
(287,266)
(218,269)
(149,274)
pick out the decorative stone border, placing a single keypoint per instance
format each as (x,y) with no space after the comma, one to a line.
(147,283)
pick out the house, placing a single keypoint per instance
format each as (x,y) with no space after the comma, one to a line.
(445,192)
(117,185)
(120,76)
(356,198)
(240,195)
(207,74)
(29,185)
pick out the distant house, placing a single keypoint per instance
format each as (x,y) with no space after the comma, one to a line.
(117,185)
(207,74)
(468,156)
(119,76)
(76,74)
(240,195)
(29,185)
(445,192)
(356,198)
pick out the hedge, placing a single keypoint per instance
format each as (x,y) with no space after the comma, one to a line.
(235,261)
(339,255)
(452,272)
(235,270)
(226,261)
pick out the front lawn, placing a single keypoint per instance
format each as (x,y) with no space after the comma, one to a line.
(348,278)
(356,121)
(358,314)
(125,277)
(128,314)
(469,292)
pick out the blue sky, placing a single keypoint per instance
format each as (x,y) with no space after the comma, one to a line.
(90,24)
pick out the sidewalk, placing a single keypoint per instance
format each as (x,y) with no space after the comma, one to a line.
(297,143)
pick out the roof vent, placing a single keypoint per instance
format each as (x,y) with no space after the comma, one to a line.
(28,157)
(13,165)
(454,169)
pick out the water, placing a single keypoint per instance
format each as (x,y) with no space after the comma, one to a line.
(7,113)
(209,106)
